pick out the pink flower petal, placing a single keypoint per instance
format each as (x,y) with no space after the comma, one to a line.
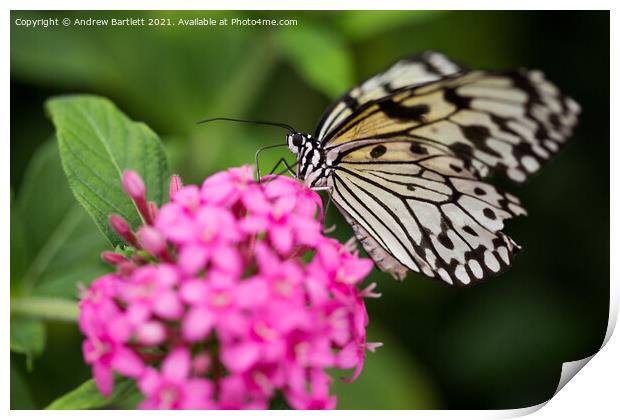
(254,224)
(329,256)
(150,381)
(281,186)
(220,279)
(193,258)
(177,365)
(137,313)
(127,363)
(197,324)
(188,197)
(151,333)
(119,329)
(167,275)
(103,378)
(282,238)
(284,205)
(252,293)
(239,357)
(227,259)
(194,291)
(217,192)
(349,356)
(353,270)
(168,305)
(255,201)
(175,223)
(197,395)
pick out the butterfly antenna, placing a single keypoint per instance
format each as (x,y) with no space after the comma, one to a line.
(275,124)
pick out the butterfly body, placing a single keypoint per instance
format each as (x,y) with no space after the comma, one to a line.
(404,156)
(314,168)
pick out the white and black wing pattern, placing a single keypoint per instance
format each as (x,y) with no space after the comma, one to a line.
(407,157)
(509,123)
(407,73)
(428,214)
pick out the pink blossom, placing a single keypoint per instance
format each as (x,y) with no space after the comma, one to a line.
(173,387)
(107,333)
(227,187)
(230,296)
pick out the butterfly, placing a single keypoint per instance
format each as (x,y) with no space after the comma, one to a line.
(404,156)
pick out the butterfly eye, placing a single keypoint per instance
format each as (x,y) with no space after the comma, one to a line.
(297,140)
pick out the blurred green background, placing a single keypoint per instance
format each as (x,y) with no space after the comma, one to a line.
(497,345)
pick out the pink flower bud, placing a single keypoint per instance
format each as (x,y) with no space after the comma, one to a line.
(153,210)
(119,224)
(175,185)
(112,258)
(133,185)
(152,240)
(123,229)
(201,363)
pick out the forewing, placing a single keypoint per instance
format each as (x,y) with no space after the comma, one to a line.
(414,71)
(425,209)
(510,123)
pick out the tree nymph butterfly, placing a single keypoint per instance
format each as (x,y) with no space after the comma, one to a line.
(404,154)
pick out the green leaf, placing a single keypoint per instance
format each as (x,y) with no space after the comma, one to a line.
(365,24)
(44,191)
(187,84)
(19,253)
(20,393)
(97,143)
(27,337)
(87,396)
(320,56)
(61,245)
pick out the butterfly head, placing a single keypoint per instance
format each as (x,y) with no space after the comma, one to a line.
(311,164)
(297,141)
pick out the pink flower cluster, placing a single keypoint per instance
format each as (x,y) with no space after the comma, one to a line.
(228,296)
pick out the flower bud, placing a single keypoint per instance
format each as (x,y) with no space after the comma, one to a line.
(123,229)
(153,210)
(112,258)
(133,185)
(175,185)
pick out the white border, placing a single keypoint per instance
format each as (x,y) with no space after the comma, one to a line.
(594,394)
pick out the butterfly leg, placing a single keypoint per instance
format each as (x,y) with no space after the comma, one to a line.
(326,207)
(257,155)
(288,169)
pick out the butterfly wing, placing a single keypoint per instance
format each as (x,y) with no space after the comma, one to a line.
(509,123)
(408,167)
(413,71)
(427,213)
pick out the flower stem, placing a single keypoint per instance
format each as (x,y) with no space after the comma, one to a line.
(46,308)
